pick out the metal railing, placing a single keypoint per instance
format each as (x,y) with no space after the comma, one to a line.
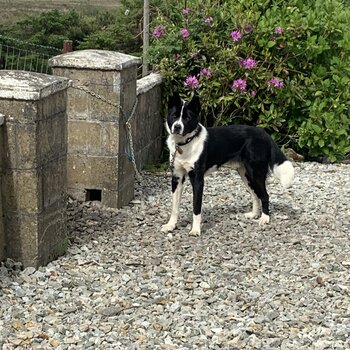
(21,55)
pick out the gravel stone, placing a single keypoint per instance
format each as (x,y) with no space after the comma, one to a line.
(124,285)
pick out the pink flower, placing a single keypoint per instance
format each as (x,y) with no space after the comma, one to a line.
(253,93)
(236,35)
(248,63)
(206,72)
(279,30)
(191,82)
(275,82)
(185,33)
(185,10)
(208,20)
(239,84)
(158,31)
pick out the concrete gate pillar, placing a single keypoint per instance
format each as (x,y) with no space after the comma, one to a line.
(34,155)
(100,100)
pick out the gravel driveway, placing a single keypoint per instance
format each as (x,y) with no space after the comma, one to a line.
(125,285)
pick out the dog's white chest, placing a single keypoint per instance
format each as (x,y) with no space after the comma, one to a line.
(185,159)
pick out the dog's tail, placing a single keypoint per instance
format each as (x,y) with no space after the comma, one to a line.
(280,166)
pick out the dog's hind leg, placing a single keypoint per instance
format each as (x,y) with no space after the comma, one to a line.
(176,187)
(257,181)
(197,181)
(255,200)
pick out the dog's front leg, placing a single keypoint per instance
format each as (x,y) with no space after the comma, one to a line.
(176,187)
(197,181)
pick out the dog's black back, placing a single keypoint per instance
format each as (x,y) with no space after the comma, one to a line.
(241,143)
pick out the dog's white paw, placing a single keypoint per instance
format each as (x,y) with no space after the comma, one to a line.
(264,219)
(195,232)
(169,227)
(250,215)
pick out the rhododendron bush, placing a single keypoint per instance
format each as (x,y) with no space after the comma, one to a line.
(280,65)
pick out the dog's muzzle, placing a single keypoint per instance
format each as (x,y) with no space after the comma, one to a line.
(177,129)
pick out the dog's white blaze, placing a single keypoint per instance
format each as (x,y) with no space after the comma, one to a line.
(196,225)
(285,173)
(167,128)
(179,122)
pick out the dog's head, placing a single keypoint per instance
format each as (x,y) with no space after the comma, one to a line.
(182,116)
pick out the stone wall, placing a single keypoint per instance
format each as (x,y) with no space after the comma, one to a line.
(148,123)
(34,159)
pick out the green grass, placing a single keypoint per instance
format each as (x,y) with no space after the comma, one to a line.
(13,10)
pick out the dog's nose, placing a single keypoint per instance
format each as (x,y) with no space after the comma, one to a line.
(176,128)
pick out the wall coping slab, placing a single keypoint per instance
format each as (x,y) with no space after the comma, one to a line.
(94,60)
(148,82)
(22,85)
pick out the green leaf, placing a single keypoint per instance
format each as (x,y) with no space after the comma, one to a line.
(316,128)
(321,143)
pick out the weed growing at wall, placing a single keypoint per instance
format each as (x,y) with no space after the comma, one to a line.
(282,66)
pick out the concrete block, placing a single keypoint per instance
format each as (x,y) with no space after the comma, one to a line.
(21,146)
(84,136)
(52,135)
(111,198)
(126,194)
(125,181)
(127,99)
(34,153)
(54,183)
(36,239)
(52,234)
(22,238)
(22,191)
(99,105)
(2,232)
(55,102)
(92,172)
(93,138)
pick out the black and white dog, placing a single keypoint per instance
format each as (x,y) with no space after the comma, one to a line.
(196,150)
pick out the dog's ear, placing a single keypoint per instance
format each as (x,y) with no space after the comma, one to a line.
(195,105)
(174,100)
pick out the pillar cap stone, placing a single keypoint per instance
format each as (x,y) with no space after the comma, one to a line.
(23,85)
(94,60)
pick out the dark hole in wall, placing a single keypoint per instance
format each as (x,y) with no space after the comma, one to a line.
(93,195)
